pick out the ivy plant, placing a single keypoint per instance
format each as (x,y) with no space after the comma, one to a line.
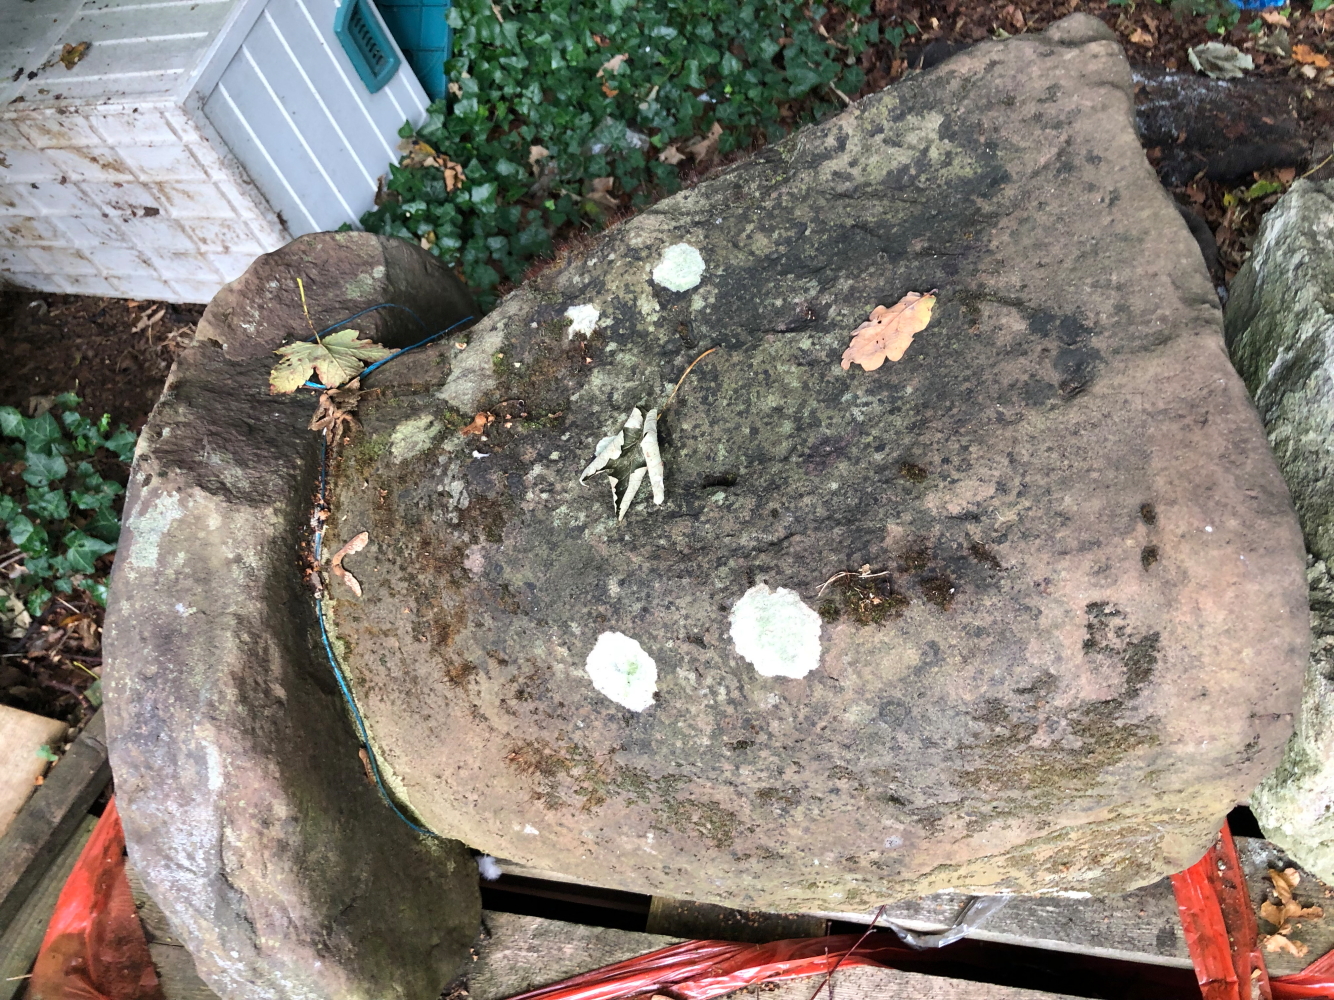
(540,107)
(65,516)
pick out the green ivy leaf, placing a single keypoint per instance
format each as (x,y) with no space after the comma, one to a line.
(37,600)
(29,537)
(51,505)
(42,468)
(82,549)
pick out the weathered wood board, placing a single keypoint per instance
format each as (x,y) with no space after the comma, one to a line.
(50,817)
(22,735)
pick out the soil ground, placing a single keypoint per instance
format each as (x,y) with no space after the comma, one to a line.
(116,353)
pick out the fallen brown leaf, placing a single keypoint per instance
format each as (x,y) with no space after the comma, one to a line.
(478,425)
(535,155)
(704,150)
(71,54)
(1308,55)
(336,410)
(354,545)
(889,331)
(613,65)
(1279,942)
(671,156)
(1141,37)
(601,195)
(1274,17)
(454,176)
(608,91)
(1286,175)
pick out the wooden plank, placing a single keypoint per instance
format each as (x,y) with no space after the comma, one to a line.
(517,953)
(22,735)
(863,983)
(1258,857)
(177,975)
(22,938)
(51,817)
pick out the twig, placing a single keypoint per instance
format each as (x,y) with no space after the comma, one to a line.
(1317,166)
(85,670)
(684,374)
(301,287)
(859,574)
(847,101)
(829,977)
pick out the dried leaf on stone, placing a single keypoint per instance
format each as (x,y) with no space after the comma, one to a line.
(354,545)
(889,331)
(1280,942)
(600,193)
(478,424)
(71,54)
(337,359)
(653,457)
(1220,62)
(336,409)
(1306,54)
(705,149)
(671,156)
(607,450)
(631,488)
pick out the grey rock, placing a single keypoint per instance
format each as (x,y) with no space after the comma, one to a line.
(245,805)
(1089,639)
(1280,331)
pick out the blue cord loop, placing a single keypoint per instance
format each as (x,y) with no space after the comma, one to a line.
(384,361)
(322,503)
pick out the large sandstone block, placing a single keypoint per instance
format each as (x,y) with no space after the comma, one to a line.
(1080,635)
(245,805)
(1280,330)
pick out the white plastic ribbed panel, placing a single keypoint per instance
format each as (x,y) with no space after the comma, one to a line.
(192,136)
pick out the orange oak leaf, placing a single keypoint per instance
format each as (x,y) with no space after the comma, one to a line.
(1305,54)
(889,331)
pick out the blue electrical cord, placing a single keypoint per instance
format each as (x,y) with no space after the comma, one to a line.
(322,503)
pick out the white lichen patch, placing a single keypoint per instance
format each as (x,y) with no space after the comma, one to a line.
(412,437)
(149,525)
(776,632)
(680,268)
(619,668)
(583,319)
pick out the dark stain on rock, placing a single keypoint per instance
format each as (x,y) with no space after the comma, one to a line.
(938,590)
(912,472)
(984,555)
(1148,514)
(1148,556)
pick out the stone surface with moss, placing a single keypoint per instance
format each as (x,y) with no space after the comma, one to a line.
(1280,330)
(1024,702)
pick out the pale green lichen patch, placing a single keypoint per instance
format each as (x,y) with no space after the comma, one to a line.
(583,319)
(776,632)
(148,527)
(412,437)
(619,668)
(680,268)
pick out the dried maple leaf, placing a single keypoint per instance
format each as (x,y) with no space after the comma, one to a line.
(355,544)
(336,409)
(1308,55)
(478,425)
(889,331)
(71,54)
(337,359)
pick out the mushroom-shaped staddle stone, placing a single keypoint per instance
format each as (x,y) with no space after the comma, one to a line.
(1024,610)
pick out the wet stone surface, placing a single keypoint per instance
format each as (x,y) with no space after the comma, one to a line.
(1023,611)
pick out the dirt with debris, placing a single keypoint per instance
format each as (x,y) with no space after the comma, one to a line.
(115,354)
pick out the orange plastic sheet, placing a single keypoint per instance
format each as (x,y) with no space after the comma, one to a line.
(1220,929)
(94,947)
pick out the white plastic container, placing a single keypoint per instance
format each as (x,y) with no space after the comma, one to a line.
(191,136)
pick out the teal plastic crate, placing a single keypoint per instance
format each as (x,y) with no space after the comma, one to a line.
(366,45)
(425,37)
